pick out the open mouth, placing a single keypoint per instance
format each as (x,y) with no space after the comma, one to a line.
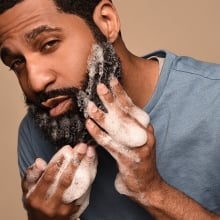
(58,105)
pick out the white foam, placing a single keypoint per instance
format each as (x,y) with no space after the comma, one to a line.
(82,180)
(67,154)
(141,116)
(124,131)
(95,60)
(121,149)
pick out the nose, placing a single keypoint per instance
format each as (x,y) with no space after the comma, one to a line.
(40,75)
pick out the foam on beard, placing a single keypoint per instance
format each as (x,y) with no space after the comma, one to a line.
(103,61)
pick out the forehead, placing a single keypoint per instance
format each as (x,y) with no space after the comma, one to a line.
(28,15)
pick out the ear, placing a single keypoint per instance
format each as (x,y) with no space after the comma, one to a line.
(106,18)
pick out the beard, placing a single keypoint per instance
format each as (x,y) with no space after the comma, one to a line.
(69,128)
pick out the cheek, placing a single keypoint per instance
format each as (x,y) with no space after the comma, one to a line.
(25,87)
(74,63)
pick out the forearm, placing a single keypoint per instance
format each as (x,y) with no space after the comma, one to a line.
(167,203)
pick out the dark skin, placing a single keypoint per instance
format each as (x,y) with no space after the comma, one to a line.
(39,67)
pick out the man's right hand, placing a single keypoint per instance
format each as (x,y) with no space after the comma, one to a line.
(61,189)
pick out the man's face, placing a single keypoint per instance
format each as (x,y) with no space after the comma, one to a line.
(49,52)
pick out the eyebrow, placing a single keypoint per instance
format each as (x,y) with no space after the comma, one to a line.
(37,31)
(6,52)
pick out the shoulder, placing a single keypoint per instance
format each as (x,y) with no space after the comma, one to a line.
(187,64)
(200,68)
(31,144)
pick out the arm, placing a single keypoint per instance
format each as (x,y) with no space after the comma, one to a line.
(164,200)
(53,191)
(138,176)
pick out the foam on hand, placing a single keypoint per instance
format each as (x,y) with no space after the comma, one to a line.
(126,132)
(79,189)
(84,176)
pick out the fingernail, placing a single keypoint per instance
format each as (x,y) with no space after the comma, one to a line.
(114,81)
(102,89)
(82,148)
(90,123)
(40,164)
(90,152)
(92,107)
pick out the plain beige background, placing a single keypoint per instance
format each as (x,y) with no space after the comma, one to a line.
(189,27)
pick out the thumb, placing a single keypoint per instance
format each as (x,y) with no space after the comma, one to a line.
(33,174)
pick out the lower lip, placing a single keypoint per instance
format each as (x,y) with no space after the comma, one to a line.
(61,108)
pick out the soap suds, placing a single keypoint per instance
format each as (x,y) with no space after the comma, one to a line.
(103,61)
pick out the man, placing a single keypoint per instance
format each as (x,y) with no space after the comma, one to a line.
(61,51)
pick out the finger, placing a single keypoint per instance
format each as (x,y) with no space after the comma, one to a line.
(116,119)
(95,113)
(78,152)
(33,173)
(117,150)
(151,138)
(127,105)
(90,156)
(47,179)
(57,189)
(83,177)
(104,94)
(67,167)
(150,128)
(131,133)
(122,103)
(90,161)
(120,95)
(109,101)
(99,135)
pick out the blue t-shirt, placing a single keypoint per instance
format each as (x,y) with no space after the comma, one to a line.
(185,113)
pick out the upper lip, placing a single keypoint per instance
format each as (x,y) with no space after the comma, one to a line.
(53,102)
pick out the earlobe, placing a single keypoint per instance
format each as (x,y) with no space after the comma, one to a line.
(106,18)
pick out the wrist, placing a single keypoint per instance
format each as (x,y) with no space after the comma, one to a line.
(154,195)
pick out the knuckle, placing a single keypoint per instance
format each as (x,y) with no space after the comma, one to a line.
(48,177)
(65,212)
(67,176)
(99,116)
(65,180)
(32,202)
(50,213)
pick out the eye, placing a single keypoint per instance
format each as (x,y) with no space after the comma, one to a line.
(17,64)
(49,45)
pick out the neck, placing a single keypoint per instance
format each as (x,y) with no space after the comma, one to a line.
(140,75)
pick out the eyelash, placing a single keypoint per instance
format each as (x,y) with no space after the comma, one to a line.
(49,45)
(18,61)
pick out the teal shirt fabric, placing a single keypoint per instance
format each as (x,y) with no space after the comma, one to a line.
(185,113)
